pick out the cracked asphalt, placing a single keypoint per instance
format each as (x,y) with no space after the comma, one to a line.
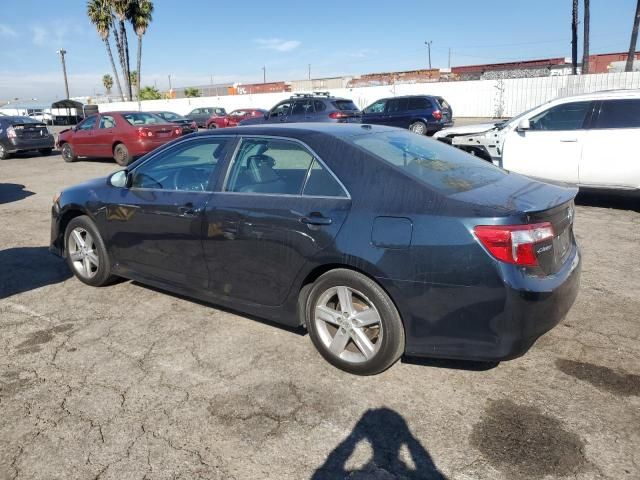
(128,382)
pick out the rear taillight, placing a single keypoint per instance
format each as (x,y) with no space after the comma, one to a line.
(144,133)
(514,243)
(11,133)
(178,131)
(194,125)
(437,114)
(338,115)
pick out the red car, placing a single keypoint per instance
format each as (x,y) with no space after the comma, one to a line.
(121,135)
(234,118)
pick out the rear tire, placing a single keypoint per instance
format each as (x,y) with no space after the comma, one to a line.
(86,253)
(363,337)
(419,128)
(4,154)
(121,155)
(46,151)
(68,155)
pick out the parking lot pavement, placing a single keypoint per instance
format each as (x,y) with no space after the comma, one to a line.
(127,382)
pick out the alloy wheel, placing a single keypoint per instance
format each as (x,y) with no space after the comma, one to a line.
(348,324)
(83,252)
(418,128)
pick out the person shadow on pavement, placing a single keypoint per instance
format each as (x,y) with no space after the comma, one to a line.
(386,431)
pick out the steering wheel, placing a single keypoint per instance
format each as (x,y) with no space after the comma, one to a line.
(190,178)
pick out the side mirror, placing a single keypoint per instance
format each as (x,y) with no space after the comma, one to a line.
(524,124)
(119,179)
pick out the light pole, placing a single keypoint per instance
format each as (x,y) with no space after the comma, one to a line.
(264,74)
(309,71)
(428,44)
(62,52)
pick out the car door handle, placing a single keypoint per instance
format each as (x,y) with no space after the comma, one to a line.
(316,219)
(568,140)
(188,210)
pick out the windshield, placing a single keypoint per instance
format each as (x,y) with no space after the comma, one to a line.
(504,123)
(142,118)
(434,163)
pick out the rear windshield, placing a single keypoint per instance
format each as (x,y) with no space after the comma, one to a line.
(171,116)
(446,169)
(344,105)
(220,111)
(18,120)
(142,118)
(443,103)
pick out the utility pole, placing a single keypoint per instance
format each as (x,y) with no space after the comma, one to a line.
(169,82)
(631,56)
(309,71)
(428,44)
(264,74)
(449,62)
(62,52)
(585,38)
(574,39)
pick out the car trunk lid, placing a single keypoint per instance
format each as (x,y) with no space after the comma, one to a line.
(29,130)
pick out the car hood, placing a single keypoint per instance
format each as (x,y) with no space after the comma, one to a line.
(465,129)
(518,193)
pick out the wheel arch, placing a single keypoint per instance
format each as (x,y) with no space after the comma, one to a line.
(319,270)
(68,215)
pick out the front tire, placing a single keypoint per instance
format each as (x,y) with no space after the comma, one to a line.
(212,126)
(86,253)
(4,154)
(68,155)
(419,128)
(121,155)
(353,323)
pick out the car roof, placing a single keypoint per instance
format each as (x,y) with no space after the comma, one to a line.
(604,94)
(341,130)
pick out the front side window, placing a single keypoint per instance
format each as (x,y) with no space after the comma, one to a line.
(269,166)
(280,110)
(568,116)
(445,169)
(185,167)
(87,124)
(619,114)
(377,107)
(107,121)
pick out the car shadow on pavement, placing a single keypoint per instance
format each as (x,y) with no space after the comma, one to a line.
(12,192)
(619,202)
(387,432)
(26,268)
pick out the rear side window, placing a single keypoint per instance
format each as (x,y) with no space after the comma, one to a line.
(269,166)
(419,103)
(619,114)
(321,183)
(142,118)
(446,169)
(319,105)
(345,105)
(107,121)
(568,116)
(397,105)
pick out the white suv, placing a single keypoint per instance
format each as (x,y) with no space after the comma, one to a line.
(590,140)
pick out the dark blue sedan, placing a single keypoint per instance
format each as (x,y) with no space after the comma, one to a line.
(378,241)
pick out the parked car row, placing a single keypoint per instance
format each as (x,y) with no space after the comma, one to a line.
(23,134)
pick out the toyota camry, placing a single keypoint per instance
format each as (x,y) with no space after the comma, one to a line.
(379,242)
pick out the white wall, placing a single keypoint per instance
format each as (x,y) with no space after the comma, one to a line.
(477,98)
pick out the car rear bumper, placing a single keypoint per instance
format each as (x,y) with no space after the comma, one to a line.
(24,144)
(489,323)
(142,147)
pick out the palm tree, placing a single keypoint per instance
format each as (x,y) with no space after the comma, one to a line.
(107,81)
(133,78)
(120,9)
(140,16)
(634,40)
(99,13)
(585,37)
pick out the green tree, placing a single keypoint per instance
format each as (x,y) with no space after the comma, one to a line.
(107,81)
(99,13)
(191,92)
(150,93)
(140,16)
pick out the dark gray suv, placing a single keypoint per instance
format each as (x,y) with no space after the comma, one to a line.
(310,107)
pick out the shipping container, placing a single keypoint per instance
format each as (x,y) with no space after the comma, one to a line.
(271,87)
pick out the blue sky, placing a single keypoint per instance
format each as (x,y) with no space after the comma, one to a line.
(194,39)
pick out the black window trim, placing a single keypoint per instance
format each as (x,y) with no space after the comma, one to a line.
(314,156)
(175,146)
(586,121)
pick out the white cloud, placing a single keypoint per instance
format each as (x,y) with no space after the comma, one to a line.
(6,31)
(278,44)
(57,35)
